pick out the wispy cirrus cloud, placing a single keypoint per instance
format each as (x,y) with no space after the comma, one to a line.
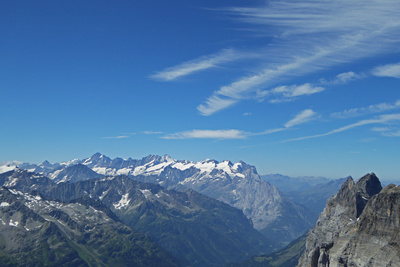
(208,134)
(294,90)
(289,93)
(380,129)
(347,77)
(245,87)
(303,117)
(376,108)
(116,137)
(387,131)
(300,118)
(214,104)
(344,78)
(152,132)
(202,63)
(382,119)
(321,17)
(390,70)
(392,134)
(309,36)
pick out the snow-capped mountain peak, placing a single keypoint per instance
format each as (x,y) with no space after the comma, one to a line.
(7,167)
(167,158)
(70,162)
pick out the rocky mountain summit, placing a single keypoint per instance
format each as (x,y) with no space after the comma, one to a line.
(358,227)
(236,184)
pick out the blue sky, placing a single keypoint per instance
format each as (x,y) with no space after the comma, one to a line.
(292,87)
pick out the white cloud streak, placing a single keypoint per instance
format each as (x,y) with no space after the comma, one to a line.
(116,137)
(344,78)
(376,108)
(288,93)
(302,117)
(380,129)
(214,104)
(311,35)
(202,63)
(379,120)
(387,131)
(322,17)
(208,134)
(347,77)
(152,132)
(293,91)
(391,134)
(391,70)
(271,131)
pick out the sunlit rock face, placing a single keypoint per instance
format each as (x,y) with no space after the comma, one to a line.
(358,227)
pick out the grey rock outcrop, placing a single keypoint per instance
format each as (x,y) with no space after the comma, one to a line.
(358,227)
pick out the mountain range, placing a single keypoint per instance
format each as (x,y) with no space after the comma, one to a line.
(237,184)
(195,229)
(157,211)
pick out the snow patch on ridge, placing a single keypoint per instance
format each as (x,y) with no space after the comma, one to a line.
(157,169)
(13,223)
(104,194)
(69,163)
(146,193)
(7,168)
(53,175)
(123,202)
(11,183)
(124,171)
(182,165)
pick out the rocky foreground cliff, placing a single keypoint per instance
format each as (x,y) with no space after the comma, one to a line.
(358,227)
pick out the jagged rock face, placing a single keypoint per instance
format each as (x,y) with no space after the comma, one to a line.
(359,227)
